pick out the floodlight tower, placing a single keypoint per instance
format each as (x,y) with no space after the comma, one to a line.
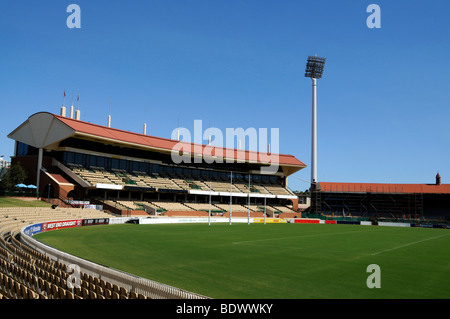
(314,70)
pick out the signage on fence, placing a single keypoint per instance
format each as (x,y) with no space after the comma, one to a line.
(95,221)
(33,229)
(306,221)
(61,224)
(270,220)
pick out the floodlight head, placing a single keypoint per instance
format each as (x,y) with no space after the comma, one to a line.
(314,67)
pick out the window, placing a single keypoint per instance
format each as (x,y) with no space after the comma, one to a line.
(25,149)
(78,159)
(92,160)
(68,158)
(101,162)
(114,163)
(123,165)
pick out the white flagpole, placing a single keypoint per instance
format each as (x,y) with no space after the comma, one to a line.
(265,209)
(209,214)
(248,215)
(231,196)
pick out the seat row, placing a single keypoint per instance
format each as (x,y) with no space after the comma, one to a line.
(26,273)
(42,280)
(94,176)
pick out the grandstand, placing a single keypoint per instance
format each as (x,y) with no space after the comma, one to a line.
(73,162)
(377,200)
(67,158)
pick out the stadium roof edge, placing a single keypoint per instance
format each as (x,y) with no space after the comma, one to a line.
(44,128)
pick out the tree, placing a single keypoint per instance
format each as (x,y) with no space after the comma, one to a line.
(15,175)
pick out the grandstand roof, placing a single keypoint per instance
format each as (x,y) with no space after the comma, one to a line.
(334,187)
(43,129)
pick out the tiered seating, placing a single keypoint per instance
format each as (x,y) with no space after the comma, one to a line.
(235,207)
(260,189)
(240,187)
(14,218)
(182,183)
(283,209)
(92,176)
(254,188)
(244,214)
(223,187)
(157,182)
(243,188)
(175,206)
(157,208)
(114,204)
(28,274)
(172,182)
(203,207)
(112,178)
(165,183)
(129,204)
(97,175)
(278,190)
(201,185)
(254,208)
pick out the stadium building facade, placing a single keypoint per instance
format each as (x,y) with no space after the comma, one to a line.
(72,159)
(430,201)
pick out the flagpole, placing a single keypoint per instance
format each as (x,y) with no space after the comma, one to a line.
(231,196)
(209,214)
(265,209)
(248,215)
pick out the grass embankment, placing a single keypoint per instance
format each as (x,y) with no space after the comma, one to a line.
(25,202)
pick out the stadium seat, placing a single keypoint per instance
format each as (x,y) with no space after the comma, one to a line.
(85,293)
(26,273)
(92,294)
(69,295)
(108,294)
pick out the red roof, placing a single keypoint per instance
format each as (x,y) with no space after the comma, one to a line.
(168,144)
(384,188)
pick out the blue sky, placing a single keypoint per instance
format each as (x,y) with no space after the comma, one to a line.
(383,102)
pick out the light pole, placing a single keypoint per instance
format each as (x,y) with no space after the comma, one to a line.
(314,70)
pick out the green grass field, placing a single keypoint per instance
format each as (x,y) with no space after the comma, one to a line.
(16,202)
(273,261)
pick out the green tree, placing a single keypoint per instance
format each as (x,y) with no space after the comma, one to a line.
(15,175)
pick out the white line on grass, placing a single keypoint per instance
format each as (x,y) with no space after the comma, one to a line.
(301,236)
(408,244)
